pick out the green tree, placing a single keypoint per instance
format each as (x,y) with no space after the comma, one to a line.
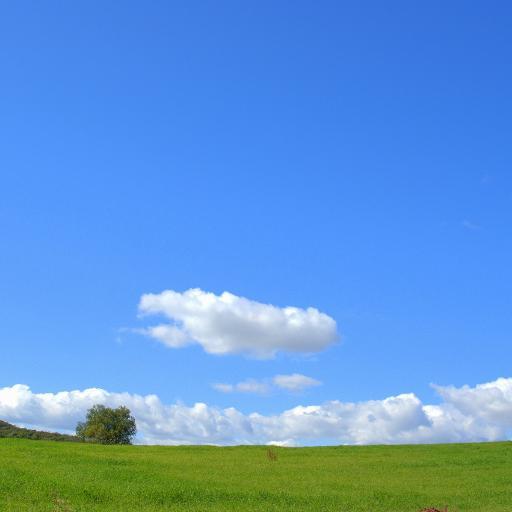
(107,426)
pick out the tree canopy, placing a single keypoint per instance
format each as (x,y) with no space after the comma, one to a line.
(105,425)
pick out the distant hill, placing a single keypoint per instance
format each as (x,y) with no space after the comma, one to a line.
(8,430)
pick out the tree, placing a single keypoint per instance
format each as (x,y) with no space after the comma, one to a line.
(107,426)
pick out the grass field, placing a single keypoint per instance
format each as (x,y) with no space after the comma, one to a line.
(51,476)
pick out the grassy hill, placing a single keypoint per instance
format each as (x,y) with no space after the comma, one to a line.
(49,476)
(8,430)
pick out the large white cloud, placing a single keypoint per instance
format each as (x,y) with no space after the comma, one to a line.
(482,413)
(228,324)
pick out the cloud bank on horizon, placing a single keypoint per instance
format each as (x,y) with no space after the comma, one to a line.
(229,324)
(480,413)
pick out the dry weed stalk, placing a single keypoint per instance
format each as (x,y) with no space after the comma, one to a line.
(271,454)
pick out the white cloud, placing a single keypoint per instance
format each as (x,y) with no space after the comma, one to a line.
(295,382)
(481,413)
(246,386)
(228,324)
(490,402)
(169,335)
(224,388)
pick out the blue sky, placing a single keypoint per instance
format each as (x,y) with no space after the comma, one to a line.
(354,157)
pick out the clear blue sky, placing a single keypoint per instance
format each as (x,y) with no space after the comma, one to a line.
(351,156)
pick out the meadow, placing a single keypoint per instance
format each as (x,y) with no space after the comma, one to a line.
(65,477)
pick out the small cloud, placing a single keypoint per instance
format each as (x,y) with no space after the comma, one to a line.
(295,382)
(486,179)
(470,225)
(223,388)
(252,386)
(246,386)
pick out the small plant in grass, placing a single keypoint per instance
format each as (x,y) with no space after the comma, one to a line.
(61,505)
(271,454)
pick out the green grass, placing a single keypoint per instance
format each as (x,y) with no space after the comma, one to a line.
(50,476)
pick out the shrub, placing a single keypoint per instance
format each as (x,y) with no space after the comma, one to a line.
(107,426)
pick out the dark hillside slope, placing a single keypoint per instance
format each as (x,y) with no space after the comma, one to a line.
(8,430)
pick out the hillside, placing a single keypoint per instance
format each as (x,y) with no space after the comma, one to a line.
(8,430)
(72,477)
